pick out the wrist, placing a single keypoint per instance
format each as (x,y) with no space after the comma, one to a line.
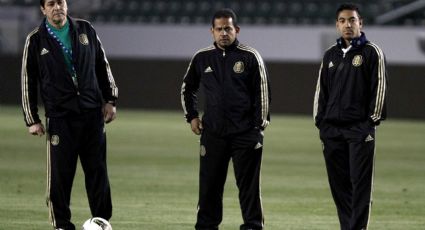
(113,103)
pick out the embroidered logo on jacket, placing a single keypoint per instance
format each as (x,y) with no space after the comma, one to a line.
(331,64)
(83,39)
(208,70)
(357,60)
(239,67)
(44,51)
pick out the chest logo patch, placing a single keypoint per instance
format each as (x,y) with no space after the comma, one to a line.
(208,70)
(357,60)
(239,67)
(83,39)
(44,51)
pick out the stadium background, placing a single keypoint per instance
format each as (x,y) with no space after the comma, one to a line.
(149,45)
(153,161)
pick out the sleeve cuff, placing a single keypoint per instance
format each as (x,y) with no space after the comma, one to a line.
(189,118)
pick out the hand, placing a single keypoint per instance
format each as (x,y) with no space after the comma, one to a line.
(37,129)
(196,126)
(109,112)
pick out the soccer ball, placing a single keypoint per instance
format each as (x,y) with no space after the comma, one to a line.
(97,223)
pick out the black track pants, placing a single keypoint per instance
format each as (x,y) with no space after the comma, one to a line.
(80,135)
(349,155)
(246,153)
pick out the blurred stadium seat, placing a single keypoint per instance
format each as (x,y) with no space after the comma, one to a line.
(264,12)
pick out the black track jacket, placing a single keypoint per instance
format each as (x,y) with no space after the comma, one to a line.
(235,86)
(43,66)
(351,88)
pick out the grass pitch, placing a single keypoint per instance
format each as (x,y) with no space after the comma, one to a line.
(153,167)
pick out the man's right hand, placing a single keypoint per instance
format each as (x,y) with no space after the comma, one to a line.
(37,129)
(196,126)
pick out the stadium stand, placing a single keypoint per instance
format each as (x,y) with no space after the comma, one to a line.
(257,12)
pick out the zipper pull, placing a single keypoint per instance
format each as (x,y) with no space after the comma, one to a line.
(75,80)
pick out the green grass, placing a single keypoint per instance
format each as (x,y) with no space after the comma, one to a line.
(153,167)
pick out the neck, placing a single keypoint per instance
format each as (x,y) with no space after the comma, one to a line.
(57,24)
(347,43)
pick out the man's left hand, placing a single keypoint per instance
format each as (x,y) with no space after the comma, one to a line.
(109,112)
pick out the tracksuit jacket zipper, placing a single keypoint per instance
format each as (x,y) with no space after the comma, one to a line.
(340,81)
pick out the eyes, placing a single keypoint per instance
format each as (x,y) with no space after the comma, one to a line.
(53,3)
(350,20)
(227,29)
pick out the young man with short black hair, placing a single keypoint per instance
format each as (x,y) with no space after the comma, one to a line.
(350,102)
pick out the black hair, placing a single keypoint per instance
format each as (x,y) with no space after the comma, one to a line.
(348,6)
(42,3)
(225,13)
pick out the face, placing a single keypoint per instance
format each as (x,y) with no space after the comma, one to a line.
(349,24)
(55,12)
(224,32)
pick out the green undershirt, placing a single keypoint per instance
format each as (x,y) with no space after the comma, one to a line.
(65,38)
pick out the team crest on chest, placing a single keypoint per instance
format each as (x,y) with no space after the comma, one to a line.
(54,140)
(357,60)
(239,67)
(83,39)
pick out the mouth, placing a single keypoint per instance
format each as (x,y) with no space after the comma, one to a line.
(58,14)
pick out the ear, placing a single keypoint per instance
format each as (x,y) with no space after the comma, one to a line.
(237,28)
(360,23)
(42,10)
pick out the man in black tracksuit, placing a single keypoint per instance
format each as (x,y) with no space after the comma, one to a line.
(65,60)
(234,81)
(349,104)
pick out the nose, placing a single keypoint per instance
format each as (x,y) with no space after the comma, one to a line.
(348,24)
(223,32)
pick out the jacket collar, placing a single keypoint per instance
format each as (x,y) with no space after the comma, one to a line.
(355,43)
